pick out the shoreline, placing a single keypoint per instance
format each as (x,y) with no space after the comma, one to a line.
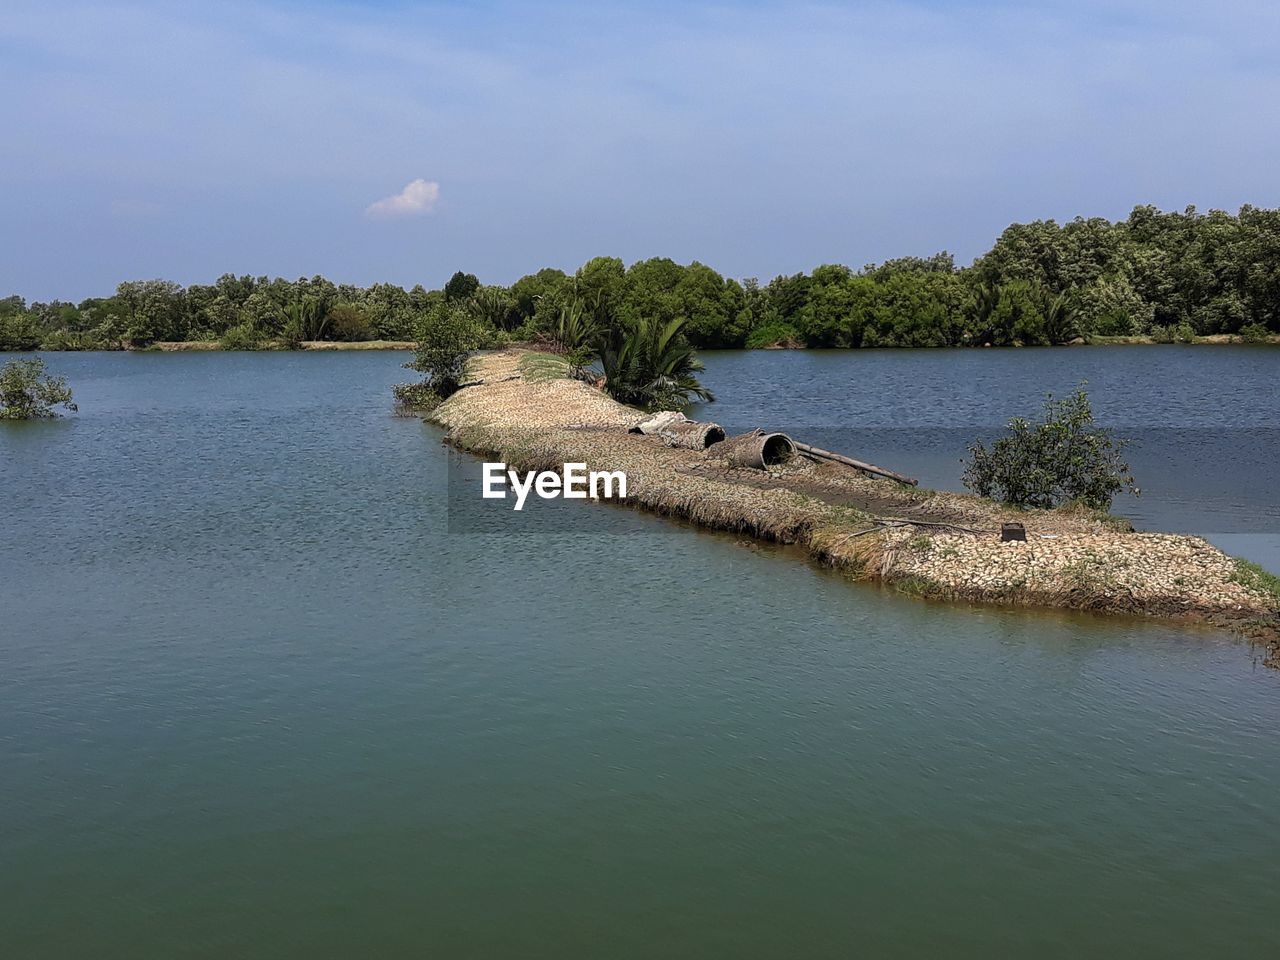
(215,346)
(1214,339)
(923,543)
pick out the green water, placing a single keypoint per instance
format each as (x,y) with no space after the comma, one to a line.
(257,700)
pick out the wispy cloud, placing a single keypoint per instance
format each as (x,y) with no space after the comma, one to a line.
(417,198)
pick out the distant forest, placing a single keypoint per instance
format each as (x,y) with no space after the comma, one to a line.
(1168,276)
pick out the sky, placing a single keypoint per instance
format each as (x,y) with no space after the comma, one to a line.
(403,141)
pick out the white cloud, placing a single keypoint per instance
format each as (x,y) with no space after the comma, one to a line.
(417,198)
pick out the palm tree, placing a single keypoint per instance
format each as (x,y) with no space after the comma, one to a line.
(986,297)
(649,364)
(493,306)
(572,346)
(1061,319)
(305,320)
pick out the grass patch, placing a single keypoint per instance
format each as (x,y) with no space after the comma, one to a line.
(537,367)
(1252,576)
(920,588)
(1090,582)
(1105,518)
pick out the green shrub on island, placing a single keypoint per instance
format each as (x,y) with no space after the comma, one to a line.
(28,393)
(1254,333)
(1064,458)
(447,337)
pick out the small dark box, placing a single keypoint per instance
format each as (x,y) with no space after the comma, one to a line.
(1012,531)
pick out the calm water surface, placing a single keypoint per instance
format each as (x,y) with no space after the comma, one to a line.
(256,700)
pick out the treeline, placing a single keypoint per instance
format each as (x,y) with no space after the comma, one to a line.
(1171,276)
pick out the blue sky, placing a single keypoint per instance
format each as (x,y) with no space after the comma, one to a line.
(188,140)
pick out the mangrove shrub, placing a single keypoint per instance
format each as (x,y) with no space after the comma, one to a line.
(447,337)
(28,393)
(1064,458)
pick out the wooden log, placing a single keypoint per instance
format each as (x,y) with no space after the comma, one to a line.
(821,454)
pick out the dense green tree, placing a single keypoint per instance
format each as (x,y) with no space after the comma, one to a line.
(601,284)
(710,305)
(833,314)
(1017,316)
(1168,275)
(150,310)
(1110,306)
(789,295)
(912,309)
(349,322)
(529,290)
(460,287)
(19,330)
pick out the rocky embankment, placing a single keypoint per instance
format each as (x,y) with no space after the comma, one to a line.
(924,542)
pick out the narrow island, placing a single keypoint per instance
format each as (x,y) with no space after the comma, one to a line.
(921,542)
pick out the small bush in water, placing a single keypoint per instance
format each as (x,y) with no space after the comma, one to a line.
(414,398)
(1062,459)
(28,393)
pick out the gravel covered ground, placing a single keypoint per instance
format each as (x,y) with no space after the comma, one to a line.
(926,542)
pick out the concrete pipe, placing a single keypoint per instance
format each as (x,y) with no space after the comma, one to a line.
(756,450)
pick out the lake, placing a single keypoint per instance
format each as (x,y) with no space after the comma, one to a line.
(256,698)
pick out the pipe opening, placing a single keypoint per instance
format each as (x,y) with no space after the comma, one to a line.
(777,448)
